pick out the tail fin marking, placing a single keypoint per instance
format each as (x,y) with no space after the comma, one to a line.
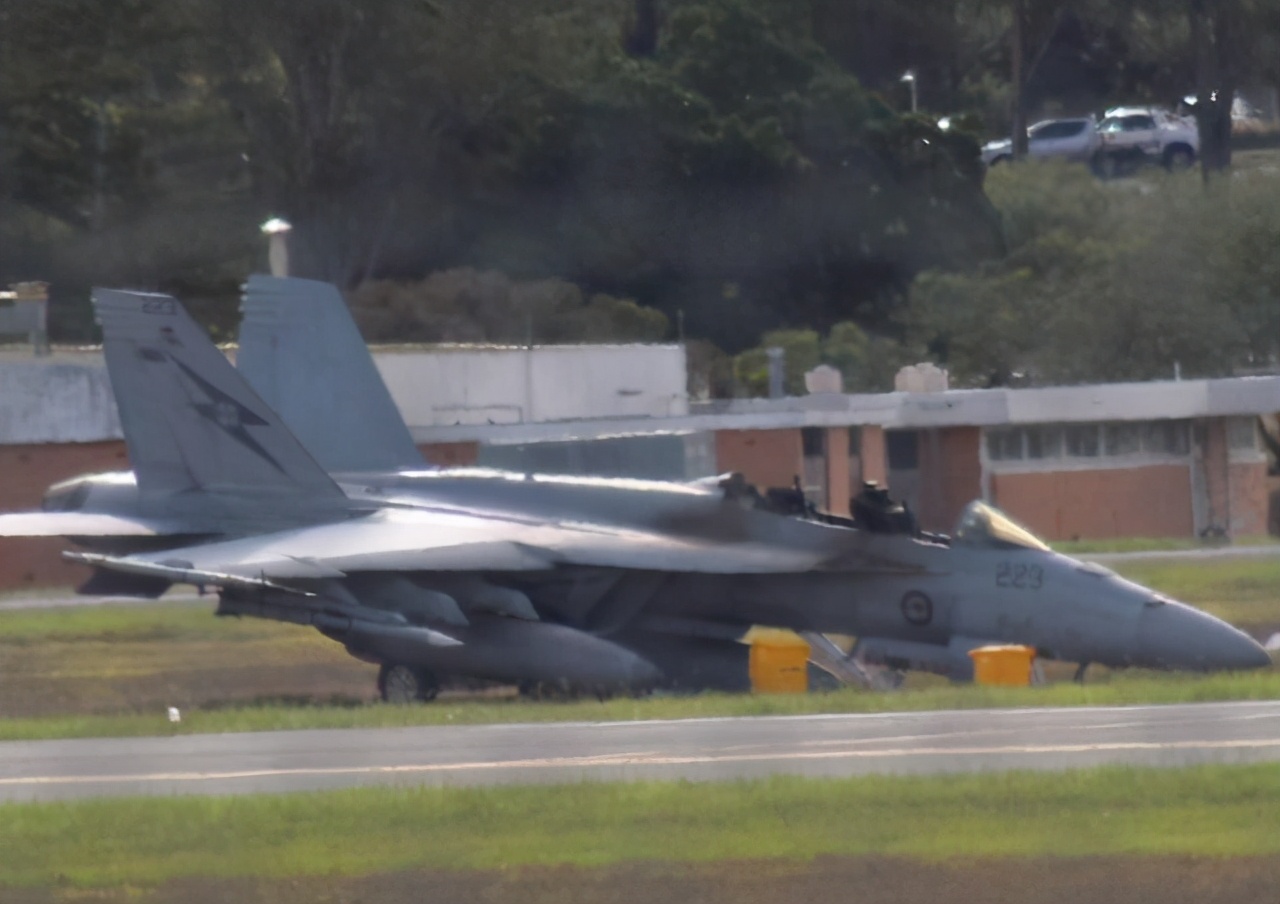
(191,422)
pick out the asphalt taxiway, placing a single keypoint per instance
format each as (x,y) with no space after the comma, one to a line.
(694,749)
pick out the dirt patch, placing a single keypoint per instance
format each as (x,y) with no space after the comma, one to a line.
(204,677)
(869,880)
(102,678)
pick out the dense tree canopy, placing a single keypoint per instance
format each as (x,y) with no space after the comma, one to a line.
(623,166)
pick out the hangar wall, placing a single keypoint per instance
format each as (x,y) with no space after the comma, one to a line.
(449,385)
(951,478)
(1153,501)
(26,471)
(767,458)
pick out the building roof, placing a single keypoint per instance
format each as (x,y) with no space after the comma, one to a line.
(1158,400)
(66,398)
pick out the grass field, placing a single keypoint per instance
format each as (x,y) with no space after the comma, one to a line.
(1210,811)
(1244,591)
(928,694)
(113,670)
(1155,544)
(872,878)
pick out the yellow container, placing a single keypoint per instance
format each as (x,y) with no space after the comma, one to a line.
(779,668)
(1004,665)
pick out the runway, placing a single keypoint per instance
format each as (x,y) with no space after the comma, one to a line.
(695,749)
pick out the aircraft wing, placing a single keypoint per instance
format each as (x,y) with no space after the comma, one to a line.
(419,540)
(87,524)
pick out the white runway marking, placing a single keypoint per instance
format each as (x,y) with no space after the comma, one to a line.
(643,759)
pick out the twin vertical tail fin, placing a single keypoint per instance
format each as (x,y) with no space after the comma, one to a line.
(191,422)
(302,352)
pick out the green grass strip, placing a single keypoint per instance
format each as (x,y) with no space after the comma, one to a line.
(1120,690)
(1205,811)
(1156,544)
(159,622)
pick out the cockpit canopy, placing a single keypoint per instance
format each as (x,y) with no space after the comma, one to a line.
(984,527)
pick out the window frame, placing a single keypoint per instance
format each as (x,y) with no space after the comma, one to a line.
(1062,445)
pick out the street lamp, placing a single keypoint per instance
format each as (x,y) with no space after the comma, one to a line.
(277,232)
(910,78)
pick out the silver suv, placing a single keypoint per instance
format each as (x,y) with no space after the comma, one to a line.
(1132,135)
(1065,139)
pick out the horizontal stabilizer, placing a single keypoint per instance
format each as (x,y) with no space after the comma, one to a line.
(178,573)
(87,524)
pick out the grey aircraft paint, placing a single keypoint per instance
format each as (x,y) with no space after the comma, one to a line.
(553,580)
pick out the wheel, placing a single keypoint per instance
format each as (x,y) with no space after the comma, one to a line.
(402,684)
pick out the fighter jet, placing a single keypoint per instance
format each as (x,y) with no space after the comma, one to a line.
(593,584)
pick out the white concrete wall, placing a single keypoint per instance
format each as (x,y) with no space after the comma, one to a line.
(56,401)
(68,398)
(463,385)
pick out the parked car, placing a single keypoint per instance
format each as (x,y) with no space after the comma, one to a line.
(1067,139)
(1135,135)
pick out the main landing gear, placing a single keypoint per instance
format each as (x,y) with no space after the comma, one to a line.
(403,684)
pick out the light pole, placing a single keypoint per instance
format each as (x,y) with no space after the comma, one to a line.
(277,232)
(910,78)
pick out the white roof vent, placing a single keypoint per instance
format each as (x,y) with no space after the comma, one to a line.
(924,377)
(823,378)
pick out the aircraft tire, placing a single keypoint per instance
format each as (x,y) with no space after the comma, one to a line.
(404,685)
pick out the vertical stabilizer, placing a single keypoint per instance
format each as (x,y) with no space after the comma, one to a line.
(191,422)
(302,352)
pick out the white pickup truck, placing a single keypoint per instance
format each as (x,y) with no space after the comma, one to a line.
(1133,135)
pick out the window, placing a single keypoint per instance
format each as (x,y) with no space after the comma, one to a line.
(814,440)
(1165,438)
(902,446)
(1082,440)
(1133,123)
(1004,445)
(1044,441)
(1242,434)
(1058,129)
(1115,439)
(1123,438)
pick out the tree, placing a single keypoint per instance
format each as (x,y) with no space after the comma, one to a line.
(468,305)
(1102,285)
(1216,48)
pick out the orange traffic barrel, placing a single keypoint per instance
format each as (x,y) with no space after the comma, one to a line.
(1007,665)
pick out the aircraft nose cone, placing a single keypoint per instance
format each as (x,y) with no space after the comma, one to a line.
(1175,636)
